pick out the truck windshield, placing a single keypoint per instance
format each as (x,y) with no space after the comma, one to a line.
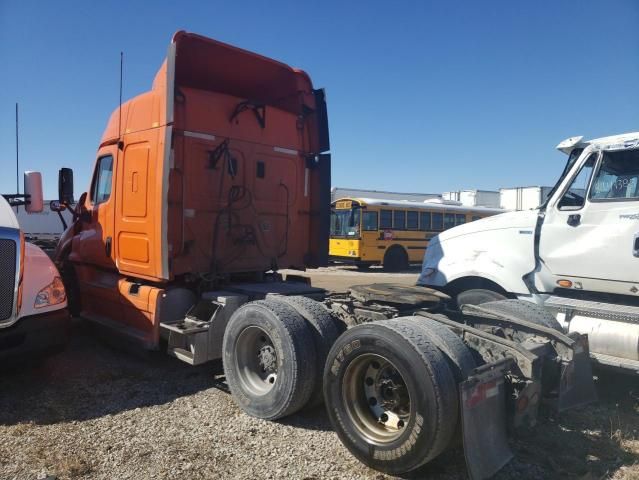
(572,158)
(345,223)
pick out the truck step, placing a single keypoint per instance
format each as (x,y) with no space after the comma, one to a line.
(181,354)
(185,327)
(187,339)
(590,308)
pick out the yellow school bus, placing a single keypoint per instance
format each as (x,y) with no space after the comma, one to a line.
(366,231)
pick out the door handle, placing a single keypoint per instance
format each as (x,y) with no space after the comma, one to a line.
(574,220)
(635,245)
(107,246)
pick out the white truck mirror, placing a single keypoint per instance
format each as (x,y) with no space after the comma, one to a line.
(33,188)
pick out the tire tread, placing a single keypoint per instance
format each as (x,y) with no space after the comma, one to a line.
(325,333)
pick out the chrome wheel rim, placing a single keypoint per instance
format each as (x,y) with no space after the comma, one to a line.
(376,398)
(256,361)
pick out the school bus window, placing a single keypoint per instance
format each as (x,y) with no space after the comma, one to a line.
(399,220)
(476,217)
(386,219)
(449,220)
(412,220)
(438,222)
(461,218)
(424,221)
(369,221)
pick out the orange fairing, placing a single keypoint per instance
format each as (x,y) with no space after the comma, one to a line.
(204,64)
(217,168)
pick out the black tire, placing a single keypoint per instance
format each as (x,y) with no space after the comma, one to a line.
(461,360)
(72,289)
(478,296)
(282,384)
(395,259)
(425,375)
(526,311)
(325,332)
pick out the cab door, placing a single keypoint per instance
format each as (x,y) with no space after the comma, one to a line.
(94,244)
(590,234)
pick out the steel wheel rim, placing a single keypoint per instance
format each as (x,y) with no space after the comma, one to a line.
(376,398)
(256,361)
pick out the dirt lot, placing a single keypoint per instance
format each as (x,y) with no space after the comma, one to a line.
(96,412)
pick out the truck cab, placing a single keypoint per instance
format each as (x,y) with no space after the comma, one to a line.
(218,172)
(33,309)
(576,255)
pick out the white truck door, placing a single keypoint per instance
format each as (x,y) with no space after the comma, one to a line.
(591,231)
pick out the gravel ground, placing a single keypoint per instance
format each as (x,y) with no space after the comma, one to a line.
(95,412)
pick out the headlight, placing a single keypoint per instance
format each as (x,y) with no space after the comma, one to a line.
(52,294)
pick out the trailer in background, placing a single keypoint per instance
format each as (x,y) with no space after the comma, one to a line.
(474,198)
(522,198)
(44,224)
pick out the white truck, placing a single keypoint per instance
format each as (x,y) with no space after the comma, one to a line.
(33,308)
(577,255)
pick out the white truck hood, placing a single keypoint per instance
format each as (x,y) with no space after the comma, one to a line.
(7,216)
(498,248)
(524,219)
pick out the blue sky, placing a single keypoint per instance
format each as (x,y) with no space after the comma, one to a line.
(423,96)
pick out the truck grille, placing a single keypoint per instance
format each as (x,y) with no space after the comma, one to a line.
(8,252)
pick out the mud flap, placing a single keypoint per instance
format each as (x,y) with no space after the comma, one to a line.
(483,402)
(577,386)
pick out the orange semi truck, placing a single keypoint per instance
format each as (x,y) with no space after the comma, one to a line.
(217,177)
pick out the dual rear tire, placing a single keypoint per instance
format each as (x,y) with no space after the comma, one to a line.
(274,353)
(391,391)
(390,387)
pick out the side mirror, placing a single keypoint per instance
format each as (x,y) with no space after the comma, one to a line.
(56,206)
(33,190)
(65,186)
